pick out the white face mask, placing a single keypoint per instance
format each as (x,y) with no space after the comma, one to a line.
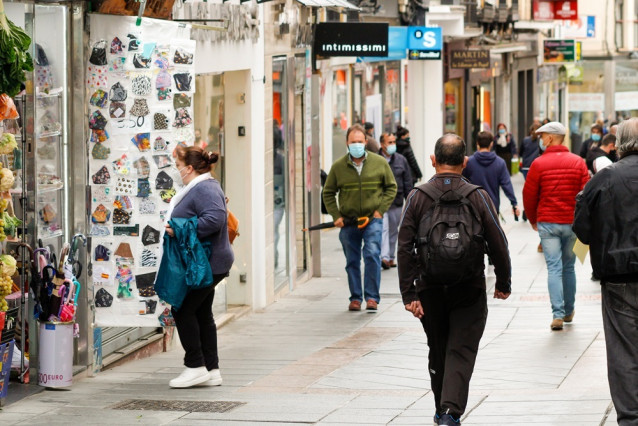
(180,173)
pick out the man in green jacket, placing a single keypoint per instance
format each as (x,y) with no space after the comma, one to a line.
(360,184)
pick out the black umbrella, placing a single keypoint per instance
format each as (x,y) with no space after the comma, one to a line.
(360,223)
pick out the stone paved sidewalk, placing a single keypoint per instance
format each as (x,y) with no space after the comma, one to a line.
(305,359)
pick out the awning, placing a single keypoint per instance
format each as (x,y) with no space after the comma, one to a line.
(329,3)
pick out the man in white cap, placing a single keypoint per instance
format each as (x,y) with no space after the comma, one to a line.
(549,196)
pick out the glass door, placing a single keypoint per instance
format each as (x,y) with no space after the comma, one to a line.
(280,170)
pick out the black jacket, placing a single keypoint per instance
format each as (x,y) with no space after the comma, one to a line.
(584,147)
(417,205)
(404,148)
(401,171)
(529,151)
(607,219)
(592,155)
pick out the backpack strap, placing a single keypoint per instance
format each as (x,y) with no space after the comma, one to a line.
(430,190)
(465,191)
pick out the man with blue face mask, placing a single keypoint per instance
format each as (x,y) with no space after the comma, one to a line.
(360,184)
(401,171)
(549,197)
(594,140)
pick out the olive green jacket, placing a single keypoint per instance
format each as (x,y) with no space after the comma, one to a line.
(348,195)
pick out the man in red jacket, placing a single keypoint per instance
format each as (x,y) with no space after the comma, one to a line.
(549,197)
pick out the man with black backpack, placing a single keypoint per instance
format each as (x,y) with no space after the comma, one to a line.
(447,226)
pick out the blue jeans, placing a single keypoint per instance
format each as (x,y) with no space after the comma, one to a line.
(351,239)
(558,244)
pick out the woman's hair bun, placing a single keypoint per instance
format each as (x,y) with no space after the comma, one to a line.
(210,157)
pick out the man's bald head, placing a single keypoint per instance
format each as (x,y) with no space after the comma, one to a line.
(449,150)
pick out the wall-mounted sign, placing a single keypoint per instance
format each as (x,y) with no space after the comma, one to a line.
(583,27)
(470,59)
(397,45)
(561,51)
(351,39)
(555,9)
(425,42)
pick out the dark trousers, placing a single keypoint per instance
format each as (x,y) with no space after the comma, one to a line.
(454,320)
(196,327)
(620,321)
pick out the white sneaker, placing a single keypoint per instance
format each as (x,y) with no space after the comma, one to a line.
(215,378)
(190,377)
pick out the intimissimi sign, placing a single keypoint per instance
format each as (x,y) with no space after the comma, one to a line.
(351,39)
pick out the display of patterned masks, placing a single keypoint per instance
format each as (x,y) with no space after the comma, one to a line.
(122,165)
(102,176)
(98,54)
(139,108)
(117,92)
(142,141)
(162,160)
(97,121)
(123,202)
(143,167)
(182,118)
(102,254)
(139,61)
(125,186)
(101,214)
(183,81)
(162,63)
(141,85)
(163,181)
(149,258)
(147,206)
(183,57)
(144,283)
(117,64)
(116,46)
(117,109)
(99,136)
(143,188)
(160,121)
(181,100)
(99,98)
(100,152)
(150,235)
(160,144)
(167,195)
(163,94)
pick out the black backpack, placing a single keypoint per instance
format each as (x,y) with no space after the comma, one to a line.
(450,242)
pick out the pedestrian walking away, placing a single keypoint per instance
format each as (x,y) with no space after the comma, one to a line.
(403,177)
(529,149)
(404,148)
(371,143)
(487,170)
(448,222)
(505,146)
(606,218)
(549,198)
(360,184)
(202,200)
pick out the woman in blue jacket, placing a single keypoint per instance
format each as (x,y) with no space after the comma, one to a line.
(202,197)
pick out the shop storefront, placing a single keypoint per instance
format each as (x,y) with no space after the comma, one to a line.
(626,95)
(586,101)
(549,104)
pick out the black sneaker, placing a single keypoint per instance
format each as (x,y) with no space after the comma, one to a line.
(449,420)
(436,419)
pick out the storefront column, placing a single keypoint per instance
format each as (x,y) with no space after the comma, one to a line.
(426,110)
(610,90)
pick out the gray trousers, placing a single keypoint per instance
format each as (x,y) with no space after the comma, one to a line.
(620,316)
(391,220)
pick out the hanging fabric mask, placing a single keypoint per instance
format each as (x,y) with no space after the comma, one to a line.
(183,81)
(98,54)
(183,57)
(117,64)
(116,46)
(99,98)
(150,235)
(141,85)
(103,299)
(102,176)
(101,214)
(148,258)
(99,136)
(139,110)
(97,121)
(147,206)
(162,161)
(163,181)
(167,195)
(100,152)
(143,188)
(160,121)
(133,43)
(160,144)
(117,109)
(102,254)
(121,217)
(118,92)
(140,61)
(182,118)
(162,63)
(143,167)
(181,100)
(184,136)
(163,94)
(163,80)
(142,141)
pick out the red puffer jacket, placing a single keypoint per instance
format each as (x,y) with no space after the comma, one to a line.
(551,186)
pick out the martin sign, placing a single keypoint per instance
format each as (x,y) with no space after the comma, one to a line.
(351,39)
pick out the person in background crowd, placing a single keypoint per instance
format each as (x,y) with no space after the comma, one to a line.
(603,155)
(198,138)
(371,143)
(546,120)
(202,197)
(600,122)
(403,177)
(404,148)
(549,197)
(485,169)
(594,139)
(363,184)
(614,258)
(529,149)
(505,146)
(613,127)
(453,316)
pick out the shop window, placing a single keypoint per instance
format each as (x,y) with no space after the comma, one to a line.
(392,99)
(618,12)
(453,107)
(208,110)
(280,171)
(340,121)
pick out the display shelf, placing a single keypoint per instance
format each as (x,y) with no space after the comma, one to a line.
(43,188)
(49,134)
(44,236)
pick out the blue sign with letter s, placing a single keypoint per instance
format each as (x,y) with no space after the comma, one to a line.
(425,38)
